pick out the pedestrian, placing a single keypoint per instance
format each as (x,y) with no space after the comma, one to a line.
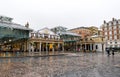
(108,51)
(112,51)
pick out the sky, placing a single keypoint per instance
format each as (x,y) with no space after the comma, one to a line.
(67,13)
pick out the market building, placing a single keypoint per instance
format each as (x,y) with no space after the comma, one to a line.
(13,36)
(45,41)
(70,39)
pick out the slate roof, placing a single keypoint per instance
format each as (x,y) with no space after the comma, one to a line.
(69,33)
(13,25)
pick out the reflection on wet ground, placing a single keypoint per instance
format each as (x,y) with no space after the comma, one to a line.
(69,65)
(24,54)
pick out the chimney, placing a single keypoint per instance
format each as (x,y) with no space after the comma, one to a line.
(113,19)
(104,21)
(27,25)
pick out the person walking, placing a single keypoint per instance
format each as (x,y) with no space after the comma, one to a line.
(108,51)
(112,51)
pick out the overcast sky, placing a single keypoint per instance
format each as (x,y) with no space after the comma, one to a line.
(67,13)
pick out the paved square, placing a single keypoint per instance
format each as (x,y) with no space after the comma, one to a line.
(69,65)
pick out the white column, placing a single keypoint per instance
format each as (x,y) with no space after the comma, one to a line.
(63,47)
(48,36)
(32,48)
(94,47)
(90,46)
(40,48)
(53,48)
(46,49)
(42,35)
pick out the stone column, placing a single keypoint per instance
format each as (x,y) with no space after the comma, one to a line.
(46,49)
(85,47)
(40,48)
(53,48)
(94,47)
(90,47)
(32,48)
(63,47)
(42,35)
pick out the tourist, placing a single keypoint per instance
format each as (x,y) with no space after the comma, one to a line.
(112,51)
(108,51)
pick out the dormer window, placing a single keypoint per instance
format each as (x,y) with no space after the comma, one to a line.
(114,23)
(105,24)
(110,24)
(115,27)
(119,22)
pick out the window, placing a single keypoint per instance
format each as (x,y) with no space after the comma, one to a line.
(105,28)
(96,46)
(115,42)
(115,32)
(115,27)
(110,37)
(110,24)
(105,33)
(119,22)
(105,24)
(119,26)
(41,35)
(114,23)
(106,38)
(115,37)
(38,35)
(45,36)
(116,46)
(110,45)
(110,28)
(110,32)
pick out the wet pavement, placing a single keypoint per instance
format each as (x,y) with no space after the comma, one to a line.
(68,65)
(29,54)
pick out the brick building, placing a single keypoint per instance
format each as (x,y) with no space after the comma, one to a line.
(83,31)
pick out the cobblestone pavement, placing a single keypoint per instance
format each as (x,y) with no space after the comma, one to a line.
(69,65)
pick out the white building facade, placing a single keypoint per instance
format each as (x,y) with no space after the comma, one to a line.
(111,33)
(45,41)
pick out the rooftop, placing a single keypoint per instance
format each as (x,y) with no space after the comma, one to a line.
(79,28)
(46,31)
(7,22)
(13,25)
(69,33)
